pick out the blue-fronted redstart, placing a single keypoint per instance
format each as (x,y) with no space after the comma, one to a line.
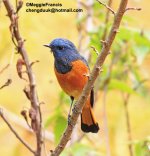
(71,70)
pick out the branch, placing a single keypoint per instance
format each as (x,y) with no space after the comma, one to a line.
(94,74)
(108,7)
(96,51)
(36,121)
(15,133)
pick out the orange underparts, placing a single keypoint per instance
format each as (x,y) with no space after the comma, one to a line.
(73,83)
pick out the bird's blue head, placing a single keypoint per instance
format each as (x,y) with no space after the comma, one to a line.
(63,48)
(65,53)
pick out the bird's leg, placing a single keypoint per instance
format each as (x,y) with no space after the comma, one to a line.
(69,116)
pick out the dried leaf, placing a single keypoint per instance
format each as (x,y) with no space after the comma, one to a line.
(19,66)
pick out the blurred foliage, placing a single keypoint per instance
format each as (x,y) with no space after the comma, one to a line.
(125,71)
(142,148)
(79,149)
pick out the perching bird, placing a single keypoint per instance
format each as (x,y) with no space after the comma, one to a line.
(71,70)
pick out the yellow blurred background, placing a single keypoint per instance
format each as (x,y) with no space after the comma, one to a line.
(37,30)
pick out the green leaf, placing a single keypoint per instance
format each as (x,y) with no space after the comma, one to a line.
(49,120)
(53,117)
(128,19)
(59,128)
(122,86)
(125,34)
(134,35)
(64,98)
(138,150)
(141,39)
(141,148)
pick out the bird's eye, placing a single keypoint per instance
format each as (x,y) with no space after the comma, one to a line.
(60,47)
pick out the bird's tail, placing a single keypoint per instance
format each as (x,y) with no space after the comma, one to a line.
(88,123)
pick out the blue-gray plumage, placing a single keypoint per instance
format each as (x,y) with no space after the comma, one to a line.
(64,52)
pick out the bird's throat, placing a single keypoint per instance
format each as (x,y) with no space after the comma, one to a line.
(62,66)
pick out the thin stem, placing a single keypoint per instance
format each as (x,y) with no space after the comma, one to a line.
(15,133)
(108,7)
(126,101)
(133,8)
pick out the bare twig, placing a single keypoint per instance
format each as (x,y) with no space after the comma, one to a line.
(4,68)
(96,51)
(19,5)
(106,20)
(32,63)
(133,8)
(7,83)
(21,49)
(108,7)
(15,133)
(94,74)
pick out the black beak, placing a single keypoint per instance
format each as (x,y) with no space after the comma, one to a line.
(47,45)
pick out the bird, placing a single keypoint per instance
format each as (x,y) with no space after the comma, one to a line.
(72,70)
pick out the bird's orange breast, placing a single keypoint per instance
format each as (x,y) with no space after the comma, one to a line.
(74,81)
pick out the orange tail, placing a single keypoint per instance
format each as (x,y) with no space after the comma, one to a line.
(88,123)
